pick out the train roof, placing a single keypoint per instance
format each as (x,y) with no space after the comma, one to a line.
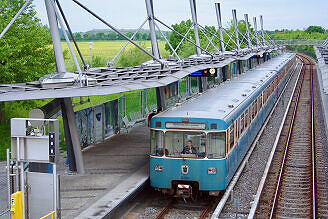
(216,103)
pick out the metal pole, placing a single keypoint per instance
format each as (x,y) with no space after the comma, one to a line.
(150,13)
(71,33)
(255,31)
(262,30)
(53,24)
(14,18)
(198,51)
(194,20)
(218,15)
(90,46)
(234,16)
(247,32)
(8,177)
(68,42)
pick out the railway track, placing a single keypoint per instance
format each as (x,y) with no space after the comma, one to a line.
(290,188)
(203,208)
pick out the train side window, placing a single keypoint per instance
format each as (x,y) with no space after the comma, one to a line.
(246,118)
(260,102)
(231,136)
(253,111)
(237,124)
(157,143)
(242,123)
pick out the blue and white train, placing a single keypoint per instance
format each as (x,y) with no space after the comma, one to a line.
(221,125)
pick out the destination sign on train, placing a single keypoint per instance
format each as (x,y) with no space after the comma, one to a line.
(209,72)
(181,125)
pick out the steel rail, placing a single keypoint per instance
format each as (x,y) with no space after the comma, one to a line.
(269,162)
(165,210)
(234,180)
(288,143)
(313,146)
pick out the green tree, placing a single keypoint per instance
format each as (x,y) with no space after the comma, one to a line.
(25,54)
(186,48)
(315,29)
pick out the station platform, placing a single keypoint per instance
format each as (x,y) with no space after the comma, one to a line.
(114,169)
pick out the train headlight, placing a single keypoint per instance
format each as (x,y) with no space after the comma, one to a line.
(158,168)
(211,170)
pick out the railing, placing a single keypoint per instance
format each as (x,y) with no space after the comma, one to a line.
(48,215)
(299,42)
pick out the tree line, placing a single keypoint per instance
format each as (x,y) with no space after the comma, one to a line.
(102,36)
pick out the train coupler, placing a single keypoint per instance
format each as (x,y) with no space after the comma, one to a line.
(184,191)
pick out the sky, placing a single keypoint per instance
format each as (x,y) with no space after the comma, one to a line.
(129,14)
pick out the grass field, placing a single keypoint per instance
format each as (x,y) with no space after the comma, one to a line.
(103,51)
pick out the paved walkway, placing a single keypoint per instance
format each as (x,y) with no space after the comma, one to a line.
(107,165)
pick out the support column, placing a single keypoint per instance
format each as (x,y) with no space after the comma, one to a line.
(198,51)
(73,142)
(68,139)
(247,32)
(235,21)
(239,67)
(161,100)
(53,24)
(262,30)
(255,31)
(218,16)
(73,146)
(194,20)
(249,62)
(150,13)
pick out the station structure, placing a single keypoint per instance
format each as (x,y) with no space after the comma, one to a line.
(157,73)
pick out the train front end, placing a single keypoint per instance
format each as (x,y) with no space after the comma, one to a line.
(188,156)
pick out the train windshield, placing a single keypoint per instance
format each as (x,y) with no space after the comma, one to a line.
(185,144)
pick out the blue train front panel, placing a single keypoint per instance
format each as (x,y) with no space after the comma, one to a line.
(210,174)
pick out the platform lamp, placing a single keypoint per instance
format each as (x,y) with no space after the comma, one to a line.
(90,46)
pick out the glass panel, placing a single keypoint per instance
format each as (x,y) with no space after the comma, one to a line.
(156,143)
(185,144)
(231,134)
(216,145)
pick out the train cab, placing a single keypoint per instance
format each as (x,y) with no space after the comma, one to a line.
(187,157)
